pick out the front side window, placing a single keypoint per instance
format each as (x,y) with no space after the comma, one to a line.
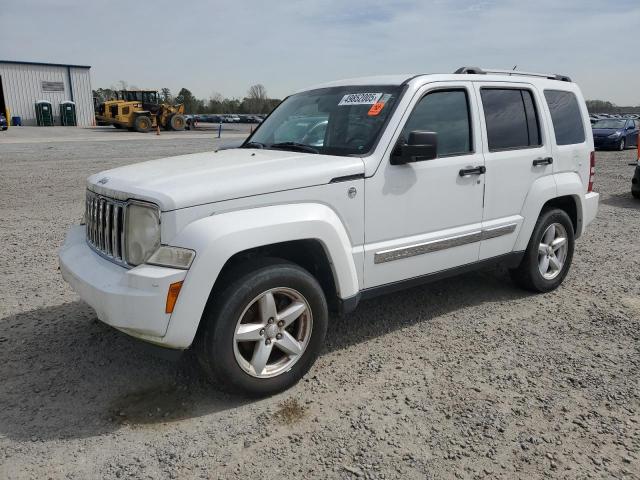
(332,121)
(511,118)
(445,112)
(566,117)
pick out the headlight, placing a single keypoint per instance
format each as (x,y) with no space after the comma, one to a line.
(615,135)
(174,257)
(142,232)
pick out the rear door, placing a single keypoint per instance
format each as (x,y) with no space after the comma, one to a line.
(517,152)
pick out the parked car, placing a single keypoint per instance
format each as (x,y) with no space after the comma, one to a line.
(615,133)
(3,123)
(243,253)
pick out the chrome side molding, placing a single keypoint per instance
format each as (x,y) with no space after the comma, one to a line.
(392,254)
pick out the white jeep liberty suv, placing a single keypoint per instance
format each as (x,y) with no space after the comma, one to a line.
(347,190)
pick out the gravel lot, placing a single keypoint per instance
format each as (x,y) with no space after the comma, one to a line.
(465,378)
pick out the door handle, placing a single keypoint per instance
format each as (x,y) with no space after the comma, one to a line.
(465,172)
(542,161)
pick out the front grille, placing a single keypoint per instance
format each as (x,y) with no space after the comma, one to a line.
(104,218)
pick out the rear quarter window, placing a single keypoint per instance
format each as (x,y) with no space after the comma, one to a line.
(566,117)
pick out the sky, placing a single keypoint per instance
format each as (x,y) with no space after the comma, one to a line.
(225,46)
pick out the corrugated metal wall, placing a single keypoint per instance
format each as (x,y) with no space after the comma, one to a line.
(83,96)
(22,87)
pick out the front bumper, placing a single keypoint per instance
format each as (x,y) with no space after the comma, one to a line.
(606,142)
(131,300)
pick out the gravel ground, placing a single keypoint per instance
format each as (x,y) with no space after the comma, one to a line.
(464,378)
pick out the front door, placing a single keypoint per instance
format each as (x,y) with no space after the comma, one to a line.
(425,217)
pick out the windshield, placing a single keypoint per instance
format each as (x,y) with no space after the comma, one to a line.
(332,121)
(609,123)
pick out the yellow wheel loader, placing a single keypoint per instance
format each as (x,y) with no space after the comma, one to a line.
(140,111)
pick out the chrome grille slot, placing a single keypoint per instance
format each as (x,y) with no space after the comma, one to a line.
(104,218)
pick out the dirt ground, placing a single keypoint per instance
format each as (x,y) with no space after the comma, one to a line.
(465,378)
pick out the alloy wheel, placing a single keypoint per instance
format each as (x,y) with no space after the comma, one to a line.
(272,332)
(552,251)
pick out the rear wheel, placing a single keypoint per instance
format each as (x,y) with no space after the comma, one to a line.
(176,122)
(117,125)
(548,256)
(142,124)
(264,329)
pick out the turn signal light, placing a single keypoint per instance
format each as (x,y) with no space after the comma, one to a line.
(172,296)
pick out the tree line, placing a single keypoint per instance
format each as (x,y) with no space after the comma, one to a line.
(602,106)
(256,101)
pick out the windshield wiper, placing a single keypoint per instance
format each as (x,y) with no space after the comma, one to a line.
(295,146)
(253,145)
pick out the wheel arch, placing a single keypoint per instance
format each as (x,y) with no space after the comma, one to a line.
(309,254)
(564,191)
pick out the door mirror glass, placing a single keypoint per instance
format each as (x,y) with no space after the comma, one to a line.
(419,146)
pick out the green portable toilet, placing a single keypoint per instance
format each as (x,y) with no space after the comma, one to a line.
(44,113)
(68,114)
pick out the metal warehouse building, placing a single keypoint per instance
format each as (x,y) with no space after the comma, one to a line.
(22,84)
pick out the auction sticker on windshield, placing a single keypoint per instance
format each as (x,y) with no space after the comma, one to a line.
(360,99)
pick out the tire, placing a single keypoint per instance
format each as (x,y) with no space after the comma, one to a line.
(636,194)
(142,124)
(117,125)
(622,145)
(228,361)
(528,274)
(176,122)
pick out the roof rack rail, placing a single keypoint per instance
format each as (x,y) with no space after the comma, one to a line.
(481,71)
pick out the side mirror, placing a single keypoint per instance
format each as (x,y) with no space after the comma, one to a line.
(420,146)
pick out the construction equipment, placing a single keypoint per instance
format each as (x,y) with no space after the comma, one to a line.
(140,111)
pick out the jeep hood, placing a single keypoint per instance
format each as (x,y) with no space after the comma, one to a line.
(200,178)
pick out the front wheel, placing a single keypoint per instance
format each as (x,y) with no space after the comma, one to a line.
(263,331)
(622,145)
(548,256)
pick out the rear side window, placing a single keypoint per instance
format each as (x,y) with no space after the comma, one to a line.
(566,117)
(511,118)
(445,112)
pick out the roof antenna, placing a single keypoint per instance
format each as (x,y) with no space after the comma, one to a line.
(514,67)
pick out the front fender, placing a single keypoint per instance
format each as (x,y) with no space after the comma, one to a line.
(218,237)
